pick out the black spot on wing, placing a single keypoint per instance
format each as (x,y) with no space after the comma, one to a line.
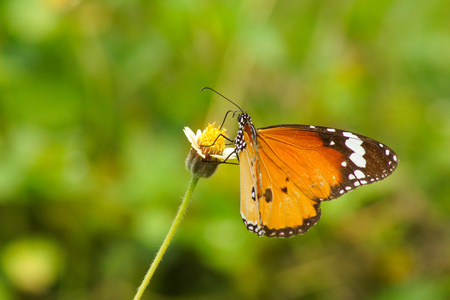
(268,195)
(284,190)
(253,194)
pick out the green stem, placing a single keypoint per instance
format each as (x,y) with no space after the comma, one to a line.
(168,239)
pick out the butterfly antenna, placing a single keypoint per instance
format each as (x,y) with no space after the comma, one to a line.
(208,88)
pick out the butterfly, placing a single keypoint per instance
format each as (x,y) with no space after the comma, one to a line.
(288,170)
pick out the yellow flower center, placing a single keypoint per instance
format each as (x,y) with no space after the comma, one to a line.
(208,141)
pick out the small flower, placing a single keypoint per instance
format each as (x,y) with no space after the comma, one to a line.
(208,150)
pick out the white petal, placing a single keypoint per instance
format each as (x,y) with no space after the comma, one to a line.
(197,148)
(193,140)
(226,152)
(190,135)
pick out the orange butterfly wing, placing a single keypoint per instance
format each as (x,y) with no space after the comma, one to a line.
(288,170)
(248,171)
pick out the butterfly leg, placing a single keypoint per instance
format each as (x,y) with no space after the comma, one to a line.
(226,116)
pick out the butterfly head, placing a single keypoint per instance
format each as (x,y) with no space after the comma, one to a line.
(245,125)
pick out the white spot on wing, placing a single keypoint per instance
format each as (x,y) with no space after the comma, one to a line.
(354,143)
(331,129)
(359,174)
(358,160)
(350,135)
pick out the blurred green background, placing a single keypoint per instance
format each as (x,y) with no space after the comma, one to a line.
(93,99)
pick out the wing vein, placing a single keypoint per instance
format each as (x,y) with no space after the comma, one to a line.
(304,155)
